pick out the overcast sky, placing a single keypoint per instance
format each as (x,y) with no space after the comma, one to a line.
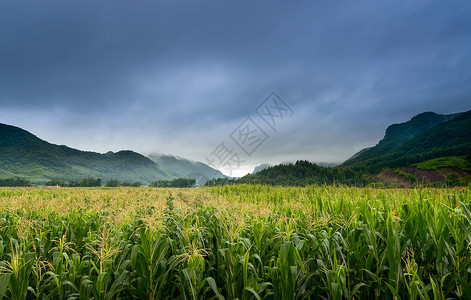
(178,77)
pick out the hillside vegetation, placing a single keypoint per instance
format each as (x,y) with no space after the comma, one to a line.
(302,173)
(427,136)
(428,141)
(24,155)
(446,162)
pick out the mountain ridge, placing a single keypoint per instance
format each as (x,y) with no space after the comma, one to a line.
(23,154)
(182,167)
(423,137)
(423,150)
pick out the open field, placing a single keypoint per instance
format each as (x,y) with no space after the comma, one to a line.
(235,242)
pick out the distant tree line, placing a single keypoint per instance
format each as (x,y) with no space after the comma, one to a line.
(14,182)
(220,181)
(117,183)
(85,182)
(97,182)
(178,183)
(91,182)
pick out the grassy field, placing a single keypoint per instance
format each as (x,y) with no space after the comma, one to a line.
(235,242)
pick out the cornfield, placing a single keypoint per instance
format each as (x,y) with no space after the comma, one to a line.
(235,242)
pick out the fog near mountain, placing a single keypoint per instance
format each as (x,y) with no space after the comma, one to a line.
(184,168)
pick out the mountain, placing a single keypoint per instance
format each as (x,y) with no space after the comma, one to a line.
(424,150)
(181,167)
(261,167)
(24,155)
(425,137)
(326,164)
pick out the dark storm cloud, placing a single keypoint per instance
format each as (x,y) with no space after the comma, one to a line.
(163,74)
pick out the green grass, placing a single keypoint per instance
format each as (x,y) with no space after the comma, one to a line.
(445,162)
(235,242)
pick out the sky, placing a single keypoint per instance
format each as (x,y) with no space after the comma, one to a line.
(230,83)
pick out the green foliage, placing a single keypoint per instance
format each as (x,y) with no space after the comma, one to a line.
(445,162)
(85,182)
(235,242)
(73,183)
(14,182)
(452,179)
(116,183)
(56,182)
(398,134)
(409,177)
(302,173)
(465,181)
(26,156)
(434,185)
(179,183)
(112,183)
(426,142)
(90,182)
(220,181)
(133,184)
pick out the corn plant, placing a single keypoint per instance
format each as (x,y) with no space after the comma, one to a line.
(235,242)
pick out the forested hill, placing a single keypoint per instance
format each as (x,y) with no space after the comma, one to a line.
(24,155)
(304,173)
(426,136)
(428,141)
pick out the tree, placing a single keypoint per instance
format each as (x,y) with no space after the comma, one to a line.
(179,182)
(112,183)
(452,179)
(135,184)
(73,183)
(14,182)
(55,182)
(89,182)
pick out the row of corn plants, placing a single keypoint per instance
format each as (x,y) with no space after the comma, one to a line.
(235,242)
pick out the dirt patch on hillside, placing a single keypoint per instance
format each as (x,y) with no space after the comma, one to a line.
(423,176)
(460,172)
(390,176)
